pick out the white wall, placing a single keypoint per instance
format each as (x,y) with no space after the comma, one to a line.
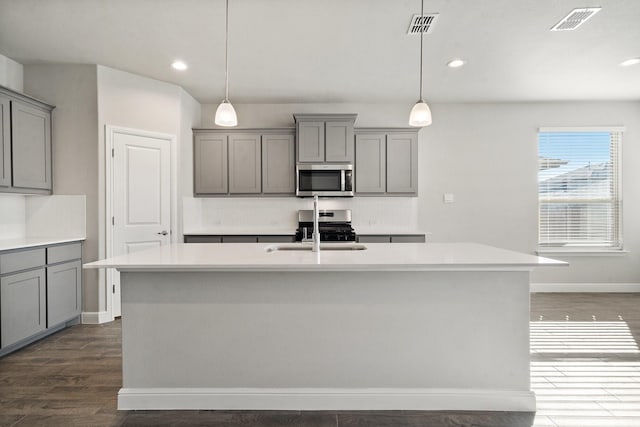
(132,101)
(486,155)
(11,74)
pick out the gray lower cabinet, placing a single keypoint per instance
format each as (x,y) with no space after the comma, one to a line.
(267,238)
(386,162)
(25,144)
(391,238)
(22,305)
(64,292)
(40,292)
(278,164)
(210,164)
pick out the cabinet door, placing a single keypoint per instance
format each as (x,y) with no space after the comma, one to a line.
(339,141)
(370,163)
(374,238)
(402,163)
(210,164)
(310,141)
(5,143)
(22,305)
(31,146)
(64,292)
(245,170)
(278,164)
(203,239)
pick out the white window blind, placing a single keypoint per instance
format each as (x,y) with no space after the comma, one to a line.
(579,189)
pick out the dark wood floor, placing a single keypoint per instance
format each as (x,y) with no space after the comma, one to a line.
(585,371)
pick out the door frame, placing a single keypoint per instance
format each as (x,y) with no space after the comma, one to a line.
(110,133)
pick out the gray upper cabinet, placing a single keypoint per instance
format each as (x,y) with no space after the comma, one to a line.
(25,144)
(310,141)
(210,164)
(5,142)
(278,164)
(31,146)
(245,164)
(325,137)
(370,167)
(386,161)
(339,141)
(402,163)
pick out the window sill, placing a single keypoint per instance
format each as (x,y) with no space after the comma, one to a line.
(581,252)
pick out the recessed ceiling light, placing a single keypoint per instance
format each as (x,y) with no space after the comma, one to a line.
(455,63)
(179,65)
(631,61)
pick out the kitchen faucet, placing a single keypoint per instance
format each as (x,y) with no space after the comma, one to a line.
(316,228)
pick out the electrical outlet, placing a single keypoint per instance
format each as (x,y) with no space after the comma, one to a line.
(449,198)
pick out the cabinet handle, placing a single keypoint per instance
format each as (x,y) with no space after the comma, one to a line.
(163,232)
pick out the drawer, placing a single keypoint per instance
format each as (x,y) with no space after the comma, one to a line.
(276,239)
(374,238)
(202,239)
(63,253)
(22,260)
(408,238)
(239,239)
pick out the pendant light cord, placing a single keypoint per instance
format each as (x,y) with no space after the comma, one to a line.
(421,49)
(226,54)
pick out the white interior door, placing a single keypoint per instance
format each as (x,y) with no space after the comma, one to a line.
(141,197)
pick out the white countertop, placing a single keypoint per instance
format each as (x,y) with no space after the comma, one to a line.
(377,257)
(29,242)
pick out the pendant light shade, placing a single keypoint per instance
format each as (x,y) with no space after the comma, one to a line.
(420,113)
(226,114)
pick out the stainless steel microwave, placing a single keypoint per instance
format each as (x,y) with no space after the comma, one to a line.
(329,180)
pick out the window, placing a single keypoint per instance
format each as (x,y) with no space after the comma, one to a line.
(579,189)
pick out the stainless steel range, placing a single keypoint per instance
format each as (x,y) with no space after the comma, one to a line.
(334,226)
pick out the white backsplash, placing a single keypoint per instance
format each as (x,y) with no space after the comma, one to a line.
(56,216)
(370,215)
(42,216)
(12,214)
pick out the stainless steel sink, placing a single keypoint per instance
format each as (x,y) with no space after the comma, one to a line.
(323,247)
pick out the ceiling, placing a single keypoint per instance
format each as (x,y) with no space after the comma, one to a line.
(305,51)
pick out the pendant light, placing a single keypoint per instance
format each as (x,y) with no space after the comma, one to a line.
(420,113)
(226,114)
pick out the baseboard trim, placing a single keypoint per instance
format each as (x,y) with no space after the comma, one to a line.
(324,399)
(96,317)
(585,287)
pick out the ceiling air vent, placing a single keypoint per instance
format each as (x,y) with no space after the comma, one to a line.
(418,22)
(575,18)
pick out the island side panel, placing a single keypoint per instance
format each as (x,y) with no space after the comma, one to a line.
(238,340)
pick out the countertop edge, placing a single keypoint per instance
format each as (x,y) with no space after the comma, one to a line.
(32,242)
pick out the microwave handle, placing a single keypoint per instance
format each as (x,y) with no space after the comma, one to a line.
(347,180)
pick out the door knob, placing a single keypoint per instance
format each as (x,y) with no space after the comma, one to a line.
(163,232)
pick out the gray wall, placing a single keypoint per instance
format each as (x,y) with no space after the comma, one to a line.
(486,155)
(73,90)
(11,74)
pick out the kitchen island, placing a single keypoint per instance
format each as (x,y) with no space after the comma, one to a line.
(262,326)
